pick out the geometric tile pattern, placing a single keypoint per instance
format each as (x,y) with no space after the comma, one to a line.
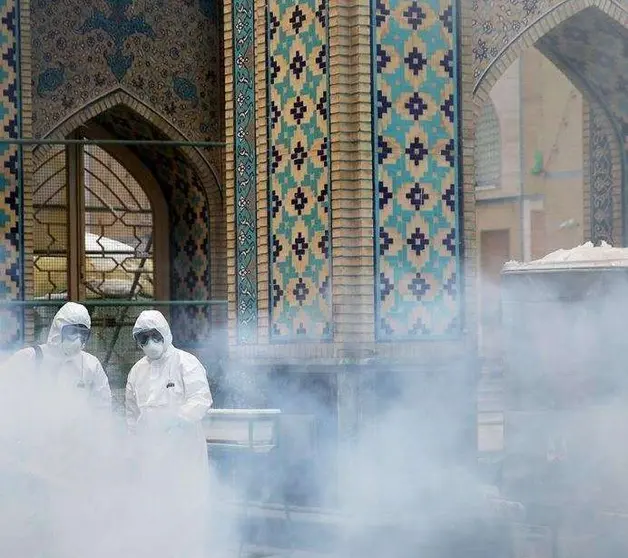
(190,271)
(601,176)
(11,286)
(487,156)
(299,170)
(244,165)
(167,53)
(416,169)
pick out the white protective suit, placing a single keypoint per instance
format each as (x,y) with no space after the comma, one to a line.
(150,403)
(166,400)
(82,370)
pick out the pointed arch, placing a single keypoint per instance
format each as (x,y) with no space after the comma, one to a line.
(137,169)
(120,96)
(548,21)
(185,176)
(565,35)
(50,185)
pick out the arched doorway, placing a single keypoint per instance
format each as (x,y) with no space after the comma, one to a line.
(189,182)
(558,93)
(197,266)
(143,224)
(560,104)
(583,43)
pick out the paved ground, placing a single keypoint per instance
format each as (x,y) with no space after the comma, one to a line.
(265,552)
(311,533)
(272,531)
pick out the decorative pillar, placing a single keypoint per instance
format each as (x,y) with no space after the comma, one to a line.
(299,178)
(602,177)
(241,170)
(12,14)
(417,170)
(348,134)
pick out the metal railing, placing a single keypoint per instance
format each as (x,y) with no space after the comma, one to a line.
(36,142)
(198,326)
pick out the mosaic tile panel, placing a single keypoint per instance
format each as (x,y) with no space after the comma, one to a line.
(10,173)
(299,170)
(488,147)
(416,178)
(190,272)
(165,52)
(601,176)
(244,162)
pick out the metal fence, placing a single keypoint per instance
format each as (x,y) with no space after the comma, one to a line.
(117,215)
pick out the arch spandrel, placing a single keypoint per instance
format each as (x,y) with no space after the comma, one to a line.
(168,54)
(496,24)
(167,130)
(501,34)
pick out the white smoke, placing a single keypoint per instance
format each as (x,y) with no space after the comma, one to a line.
(74,482)
(402,482)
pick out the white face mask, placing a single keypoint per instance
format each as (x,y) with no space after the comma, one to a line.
(153,349)
(72,347)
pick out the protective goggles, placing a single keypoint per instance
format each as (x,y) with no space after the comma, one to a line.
(143,337)
(75,331)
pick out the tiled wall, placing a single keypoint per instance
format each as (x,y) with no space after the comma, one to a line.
(299,171)
(160,65)
(416,170)
(11,175)
(164,64)
(314,97)
(167,53)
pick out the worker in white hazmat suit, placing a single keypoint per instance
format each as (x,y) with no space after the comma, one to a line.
(55,400)
(63,359)
(167,397)
(168,388)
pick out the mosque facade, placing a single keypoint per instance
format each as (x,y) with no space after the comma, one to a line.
(311,163)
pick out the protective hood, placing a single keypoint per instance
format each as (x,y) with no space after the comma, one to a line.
(153,319)
(69,314)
